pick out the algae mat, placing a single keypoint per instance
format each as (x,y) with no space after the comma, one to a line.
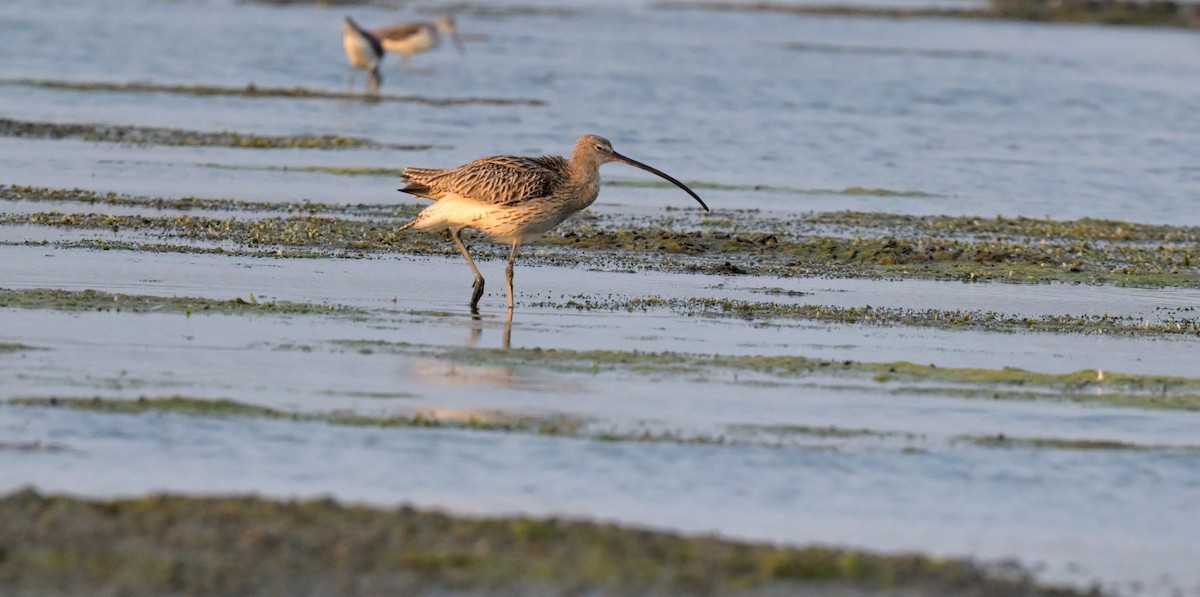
(165,544)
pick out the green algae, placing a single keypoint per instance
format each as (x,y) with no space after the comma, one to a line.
(216,407)
(219,407)
(986,321)
(765,253)
(375,395)
(1005,441)
(1019,250)
(845,223)
(950,319)
(1103,12)
(959,319)
(321,234)
(37,447)
(183,405)
(557,425)
(370,344)
(898,377)
(1110,12)
(146,135)
(171,544)
(254,91)
(94,300)
(986,441)
(187,203)
(110,245)
(830,431)
(1084,229)
(7,347)
(571,427)
(1142,397)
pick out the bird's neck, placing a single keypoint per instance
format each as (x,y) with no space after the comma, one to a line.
(585,183)
(583,164)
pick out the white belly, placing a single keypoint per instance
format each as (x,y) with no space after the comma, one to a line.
(500,223)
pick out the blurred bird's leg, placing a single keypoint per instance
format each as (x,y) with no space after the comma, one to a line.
(373,79)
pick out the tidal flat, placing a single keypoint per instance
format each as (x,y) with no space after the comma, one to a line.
(747,243)
(179,544)
(937,336)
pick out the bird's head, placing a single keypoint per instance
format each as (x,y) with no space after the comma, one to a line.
(445,26)
(597,150)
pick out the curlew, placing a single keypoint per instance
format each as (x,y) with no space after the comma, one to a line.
(513,199)
(364,51)
(409,38)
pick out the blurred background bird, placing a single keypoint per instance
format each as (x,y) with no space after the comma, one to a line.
(409,38)
(364,51)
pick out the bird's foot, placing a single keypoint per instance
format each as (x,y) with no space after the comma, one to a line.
(476,292)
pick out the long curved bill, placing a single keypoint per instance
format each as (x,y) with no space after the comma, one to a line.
(656,171)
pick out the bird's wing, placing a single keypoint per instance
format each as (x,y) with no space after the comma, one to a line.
(397,31)
(376,45)
(499,180)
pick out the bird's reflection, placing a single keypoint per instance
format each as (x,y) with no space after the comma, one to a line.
(449,372)
(477,329)
(490,368)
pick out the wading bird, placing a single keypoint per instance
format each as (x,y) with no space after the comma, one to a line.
(514,199)
(409,38)
(364,51)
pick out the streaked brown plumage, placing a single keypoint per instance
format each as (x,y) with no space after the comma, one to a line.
(514,199)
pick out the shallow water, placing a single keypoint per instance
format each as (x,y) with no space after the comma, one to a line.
(968,500)
(984,118)
(442,284)
(922,490)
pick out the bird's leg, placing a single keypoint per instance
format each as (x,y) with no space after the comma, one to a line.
(507,339)
(478,285)
(373,80)
(508,272)
(350,82)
